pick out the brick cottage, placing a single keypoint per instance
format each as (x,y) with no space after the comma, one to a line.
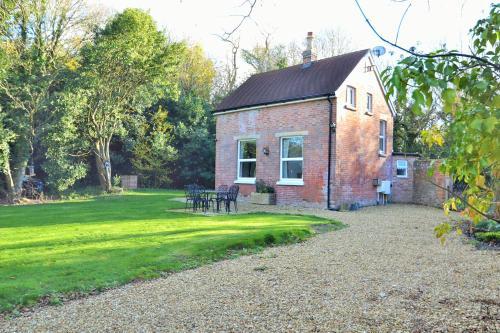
(319,132)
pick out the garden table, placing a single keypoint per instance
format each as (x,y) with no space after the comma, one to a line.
(211,195)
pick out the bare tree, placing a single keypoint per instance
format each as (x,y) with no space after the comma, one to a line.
(333,42)
(294,52)
(265,57)
(228,74)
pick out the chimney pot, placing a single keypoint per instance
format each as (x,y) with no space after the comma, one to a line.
(308,55)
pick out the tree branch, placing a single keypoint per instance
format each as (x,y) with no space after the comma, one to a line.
(425,55)
(401,22)
(227,35)
(464,200)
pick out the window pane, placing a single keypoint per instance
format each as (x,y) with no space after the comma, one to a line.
(382,128)
(401,168)
(292,147)
(381,145)
(248,149)
(292,169)
(247,170)
(351,96)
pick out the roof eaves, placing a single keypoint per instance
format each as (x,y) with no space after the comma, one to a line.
(273,103)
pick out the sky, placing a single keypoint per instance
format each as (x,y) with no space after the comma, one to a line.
(427,24)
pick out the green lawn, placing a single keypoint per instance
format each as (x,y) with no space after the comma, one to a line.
(86,245)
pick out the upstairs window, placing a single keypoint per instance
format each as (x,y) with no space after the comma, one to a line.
(351,97)
(402,168)
(369,103)
(292,157)
(247,159)
(382,141)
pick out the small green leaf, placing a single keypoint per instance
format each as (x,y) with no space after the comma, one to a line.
(418,97)
(476,124)
(449,95)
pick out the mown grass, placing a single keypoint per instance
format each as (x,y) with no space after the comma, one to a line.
(83,246)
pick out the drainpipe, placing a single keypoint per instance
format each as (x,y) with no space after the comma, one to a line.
(331,129)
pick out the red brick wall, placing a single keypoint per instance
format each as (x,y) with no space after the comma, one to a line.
(357,160)
(309,116)
(402,188)
(424,191)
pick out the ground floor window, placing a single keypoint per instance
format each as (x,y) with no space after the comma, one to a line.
(292,157)
(247,159)
(402,168)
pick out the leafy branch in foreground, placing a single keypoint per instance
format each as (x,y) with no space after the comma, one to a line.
(466,87)
(432,55)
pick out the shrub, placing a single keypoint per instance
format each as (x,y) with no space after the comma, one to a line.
(487,225)
(488,237)
(269,239)
(117,181)
(262,187)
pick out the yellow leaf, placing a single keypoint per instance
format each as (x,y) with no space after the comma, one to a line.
(446,208)
(480,180)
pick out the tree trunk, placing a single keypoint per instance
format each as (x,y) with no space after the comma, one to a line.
(18,176)
(496,198)
(103,164)
(14,178)
(11,192)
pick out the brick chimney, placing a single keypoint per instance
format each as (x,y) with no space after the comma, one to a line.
(308,55)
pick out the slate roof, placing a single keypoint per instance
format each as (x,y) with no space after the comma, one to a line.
(323,77)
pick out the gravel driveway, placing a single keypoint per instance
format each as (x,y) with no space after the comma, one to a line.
(386,272)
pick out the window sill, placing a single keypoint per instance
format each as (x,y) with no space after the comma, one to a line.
(369,113)
(298,182)
(350,107)
(403,177)
(382,154)
(245,181)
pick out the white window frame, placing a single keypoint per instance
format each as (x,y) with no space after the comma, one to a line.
(382,135)
(369,103)
(351,92)
(291,181)
(404,166)
(245,180)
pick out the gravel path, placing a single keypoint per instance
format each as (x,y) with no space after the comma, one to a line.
(386,272)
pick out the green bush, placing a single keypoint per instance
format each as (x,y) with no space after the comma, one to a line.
(269,239)
(487,225)
(262,187)
(488,237)
(117,181)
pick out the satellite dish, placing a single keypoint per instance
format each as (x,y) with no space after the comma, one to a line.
(378,50)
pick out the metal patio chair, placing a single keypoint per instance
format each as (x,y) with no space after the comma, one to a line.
(220,197)
(232,196)
(189,193)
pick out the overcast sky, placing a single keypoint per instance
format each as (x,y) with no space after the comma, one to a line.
(428,22)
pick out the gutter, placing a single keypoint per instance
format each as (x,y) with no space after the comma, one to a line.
(331,128)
